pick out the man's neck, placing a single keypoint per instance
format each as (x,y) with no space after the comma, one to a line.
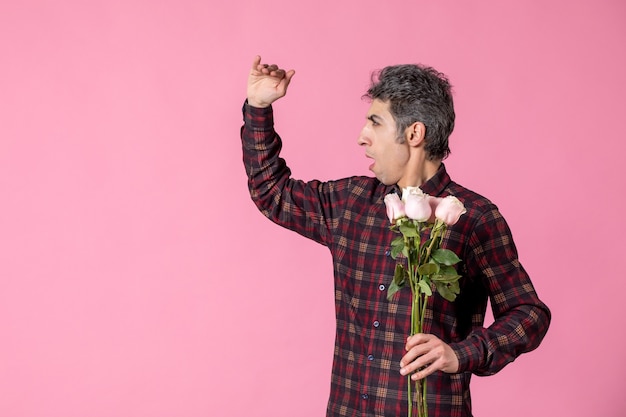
(427,170)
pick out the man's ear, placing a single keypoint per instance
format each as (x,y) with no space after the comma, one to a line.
(415,134)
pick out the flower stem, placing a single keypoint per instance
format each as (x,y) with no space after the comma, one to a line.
(423,312)
(410,394)
(436,231)
(424,402)
(417,256)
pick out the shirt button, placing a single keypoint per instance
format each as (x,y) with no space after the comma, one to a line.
(387,253)
(376,323)
(370,357)
(365,396)
(381,287)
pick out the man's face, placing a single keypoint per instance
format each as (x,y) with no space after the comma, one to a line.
(382,143)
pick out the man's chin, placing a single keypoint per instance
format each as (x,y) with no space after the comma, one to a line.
(384,181)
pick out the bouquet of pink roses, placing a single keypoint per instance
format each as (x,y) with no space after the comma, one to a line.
(428,266)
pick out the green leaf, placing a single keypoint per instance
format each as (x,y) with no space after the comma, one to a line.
(447,270)
(409,230)
(397,245)
(445,256)
(445,292)
(425,288)
(445,278)
(447,274)
(428,268)
(448,291)
(398,241)
(399,275)
(392,289)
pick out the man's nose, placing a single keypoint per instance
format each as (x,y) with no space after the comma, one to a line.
(363,138)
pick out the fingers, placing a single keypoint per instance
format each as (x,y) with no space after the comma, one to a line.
(425,355)
(267,83)
(256,62)
(289,75)
(262,68)
(272,70)
(421,368)
(418,360)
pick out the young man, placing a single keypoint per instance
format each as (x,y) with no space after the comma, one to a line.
(406,135)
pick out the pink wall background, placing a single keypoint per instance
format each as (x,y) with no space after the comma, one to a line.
(138,279)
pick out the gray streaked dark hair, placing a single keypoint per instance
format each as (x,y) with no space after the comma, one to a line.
(417,93)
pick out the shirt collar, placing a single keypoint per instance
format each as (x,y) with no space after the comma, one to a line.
(434,186)
(437,183)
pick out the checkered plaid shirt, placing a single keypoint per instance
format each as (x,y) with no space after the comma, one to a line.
(349,217)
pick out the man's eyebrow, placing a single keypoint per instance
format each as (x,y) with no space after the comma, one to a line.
(374,118)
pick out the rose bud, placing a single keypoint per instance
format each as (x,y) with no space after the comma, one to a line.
(416,205)
(395,207)
(450,210)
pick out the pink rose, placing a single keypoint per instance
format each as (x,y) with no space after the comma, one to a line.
(411,190)
(449,210)
(434,202)
(416,204)
(395,207)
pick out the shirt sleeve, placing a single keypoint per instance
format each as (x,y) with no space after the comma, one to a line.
(308,208)
(521,320)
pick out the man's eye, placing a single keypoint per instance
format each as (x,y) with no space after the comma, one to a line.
(373,120)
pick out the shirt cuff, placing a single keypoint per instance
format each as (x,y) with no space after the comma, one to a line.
(257,117)
(469,356)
